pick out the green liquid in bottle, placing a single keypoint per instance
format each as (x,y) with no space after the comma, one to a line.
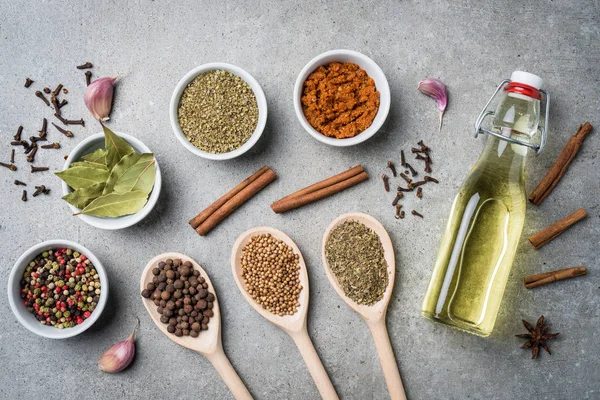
(487,217)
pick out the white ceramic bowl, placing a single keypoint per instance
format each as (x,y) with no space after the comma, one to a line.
(260,100)
(92,144)
(372,70)
(25,317)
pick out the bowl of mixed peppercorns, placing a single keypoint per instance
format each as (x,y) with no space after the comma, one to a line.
(57,289)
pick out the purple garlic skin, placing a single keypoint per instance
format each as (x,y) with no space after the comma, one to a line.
(435,89)
(98,97)
(118,356)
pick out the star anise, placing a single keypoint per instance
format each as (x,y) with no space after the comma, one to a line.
(537,336)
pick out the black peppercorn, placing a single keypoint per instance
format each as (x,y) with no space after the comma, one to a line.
(202,293)
(164,319)
(178,333)
(151,286)
(155,271)
(160,265)
(178,284)
(146,293)
(171,329)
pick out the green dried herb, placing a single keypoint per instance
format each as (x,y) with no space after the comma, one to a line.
(355,256)
(110,182)
(218,112)
(116,204)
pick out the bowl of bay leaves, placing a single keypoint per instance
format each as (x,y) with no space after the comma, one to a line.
(111,181)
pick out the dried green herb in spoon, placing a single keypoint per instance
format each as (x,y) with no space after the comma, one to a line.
(355,255)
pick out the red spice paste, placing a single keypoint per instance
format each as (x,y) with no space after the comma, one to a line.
(340,100)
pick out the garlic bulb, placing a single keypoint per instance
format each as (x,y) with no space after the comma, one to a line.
(98,97)
(120,355)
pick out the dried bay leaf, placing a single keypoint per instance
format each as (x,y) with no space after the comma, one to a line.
(116,147)
(89,164)
(80,177)
(80,198)
(116,204)
(119,169)
(139,176)
(99,156)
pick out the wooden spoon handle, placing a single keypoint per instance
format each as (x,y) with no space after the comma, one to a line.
(221,363)
(314,364)
(387,359)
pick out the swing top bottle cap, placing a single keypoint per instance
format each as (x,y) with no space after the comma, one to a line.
(527,78)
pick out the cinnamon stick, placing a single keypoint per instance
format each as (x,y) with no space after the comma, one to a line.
(534,281)
(321,190)
(235,201)
(551,232)
(560,166)
(200,218)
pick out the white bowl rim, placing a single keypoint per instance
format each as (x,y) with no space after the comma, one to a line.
(126,220)
(383,89)
(34,325)
(260,100)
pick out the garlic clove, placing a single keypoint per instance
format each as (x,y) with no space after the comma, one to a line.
(120,355)
(98,97)
(435,89)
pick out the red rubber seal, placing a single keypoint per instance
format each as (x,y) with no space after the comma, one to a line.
(521,88)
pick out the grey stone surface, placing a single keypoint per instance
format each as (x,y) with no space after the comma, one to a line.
(469,45)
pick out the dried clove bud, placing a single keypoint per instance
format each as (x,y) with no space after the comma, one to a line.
(401,214)
(416,184)
(415,150)
(405,177)
(398,207)
(386,182)
(88,78)
(24,195)
(428,178)
(47,90)
(35,139)
(65,91)
(60,118)
(98,97)
(412,170)
(31,156)
(399,195)
(55,104)
(18,182)
(392,167)
(12,156)
(28,82)
(56,91)
(41,190)
(38,169)
(87,65)
(54,145)
(423,146)
(42,132)
(12,167)
(413,212)
(420,192)
(75,122)
(17,136)
(63,131)
(402,159)
(401,189)
(63,103)
(41,96)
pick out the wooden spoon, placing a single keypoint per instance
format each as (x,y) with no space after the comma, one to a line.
(293,325)
(373,315)
(208,343)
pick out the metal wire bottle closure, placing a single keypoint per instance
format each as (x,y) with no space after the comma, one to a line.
(543,129)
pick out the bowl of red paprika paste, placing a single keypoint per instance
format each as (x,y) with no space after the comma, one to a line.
(341,98)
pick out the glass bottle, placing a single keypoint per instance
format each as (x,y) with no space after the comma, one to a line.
(483,231)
